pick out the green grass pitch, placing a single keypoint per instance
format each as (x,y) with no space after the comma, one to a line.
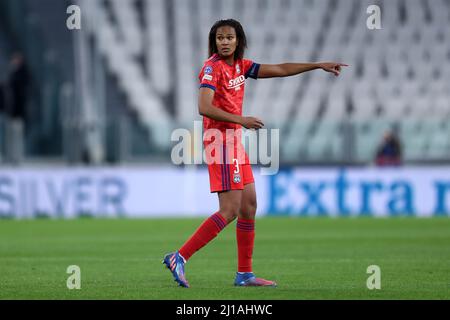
(310,258)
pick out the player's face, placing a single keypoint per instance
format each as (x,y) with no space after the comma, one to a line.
(226,41)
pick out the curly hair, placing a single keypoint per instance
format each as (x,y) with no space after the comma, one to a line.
(240,34)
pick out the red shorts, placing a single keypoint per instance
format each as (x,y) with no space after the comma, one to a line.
(232,175)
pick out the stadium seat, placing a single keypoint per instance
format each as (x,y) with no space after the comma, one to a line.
(397,74)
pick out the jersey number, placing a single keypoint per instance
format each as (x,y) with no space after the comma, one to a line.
(236,164)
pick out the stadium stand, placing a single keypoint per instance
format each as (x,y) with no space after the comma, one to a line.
(398,75)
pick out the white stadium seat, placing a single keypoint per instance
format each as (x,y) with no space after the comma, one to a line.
(399,73)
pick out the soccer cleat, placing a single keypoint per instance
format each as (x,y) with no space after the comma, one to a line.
(175,263)
(248,279)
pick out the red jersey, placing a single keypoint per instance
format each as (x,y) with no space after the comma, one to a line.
(228,82)
(229,169)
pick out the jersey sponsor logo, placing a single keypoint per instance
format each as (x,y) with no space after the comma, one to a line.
(208,70)
(207,77)
(236,83)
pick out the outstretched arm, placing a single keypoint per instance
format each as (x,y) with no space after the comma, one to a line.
(207,109)
(291,69)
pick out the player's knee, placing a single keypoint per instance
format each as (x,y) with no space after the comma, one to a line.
(230,212)
(252,208)
(249,209)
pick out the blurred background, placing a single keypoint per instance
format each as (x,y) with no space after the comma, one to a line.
(102,101)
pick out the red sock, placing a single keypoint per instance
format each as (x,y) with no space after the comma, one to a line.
(245,234)
(207,231)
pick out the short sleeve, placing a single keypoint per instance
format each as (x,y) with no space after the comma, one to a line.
(209,76)
(251,69)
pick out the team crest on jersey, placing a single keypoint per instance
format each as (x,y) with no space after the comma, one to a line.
(238,69)
(208,70)
(236,178)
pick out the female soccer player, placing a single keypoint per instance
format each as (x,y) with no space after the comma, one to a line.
(222,81)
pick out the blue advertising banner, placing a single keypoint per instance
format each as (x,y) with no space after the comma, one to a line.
(363,191)
(177,192)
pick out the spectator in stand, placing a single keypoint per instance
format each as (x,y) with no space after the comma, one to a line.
(16,93)
(2,112)
(18,85)
(2,98)
(389,153)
